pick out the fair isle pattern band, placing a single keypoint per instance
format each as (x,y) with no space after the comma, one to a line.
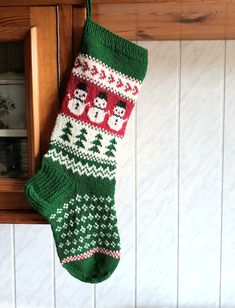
(98,129)
(75,186)
(114,254)
(81,155)
(95,71)
(79,167)
(72,141)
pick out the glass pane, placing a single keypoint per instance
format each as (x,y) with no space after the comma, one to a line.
(13,133)
(13,157)
(12,106)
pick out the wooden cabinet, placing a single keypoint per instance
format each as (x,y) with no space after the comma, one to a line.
(39,40)
(37,47)
(29,98)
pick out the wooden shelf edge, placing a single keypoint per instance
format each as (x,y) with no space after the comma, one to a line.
(12,184)
(138,20)
(82,2)
(21,217)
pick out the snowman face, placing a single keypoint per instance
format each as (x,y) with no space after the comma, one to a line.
(119,111)
(100,103)
(80,94)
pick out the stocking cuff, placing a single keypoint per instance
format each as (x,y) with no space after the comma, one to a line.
(113,50)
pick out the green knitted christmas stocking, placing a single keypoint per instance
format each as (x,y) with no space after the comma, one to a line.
(75,187)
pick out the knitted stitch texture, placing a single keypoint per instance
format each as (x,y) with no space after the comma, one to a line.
(75,187)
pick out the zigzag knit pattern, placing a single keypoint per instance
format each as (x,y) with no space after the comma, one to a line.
(78,167)
(90,253)
(97,72)
(75,187)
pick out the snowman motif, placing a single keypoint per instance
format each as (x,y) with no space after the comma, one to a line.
(116,121)
(97,113)
(77,104)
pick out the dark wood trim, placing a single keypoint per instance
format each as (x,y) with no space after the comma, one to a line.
(12,185)
(21,217)
(5,3)
(65,45)
(79,16)
(82,2)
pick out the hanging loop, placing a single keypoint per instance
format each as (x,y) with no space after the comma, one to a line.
(88,9)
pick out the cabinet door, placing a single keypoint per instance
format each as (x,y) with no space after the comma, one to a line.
(28,102)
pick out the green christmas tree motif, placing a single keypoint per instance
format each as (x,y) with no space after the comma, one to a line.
(96,143)
(67,132)
(81,138)
(111,148)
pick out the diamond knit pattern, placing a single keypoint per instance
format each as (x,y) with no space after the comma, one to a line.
(85,224)
(75,186)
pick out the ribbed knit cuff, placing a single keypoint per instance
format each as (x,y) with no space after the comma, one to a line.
(114,41)
(129,58)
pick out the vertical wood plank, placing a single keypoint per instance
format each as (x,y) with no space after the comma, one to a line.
(6,267)
(44,19)
(228,231)
(157,178)
(79,16)
(119,289)
(34,272)
(200,172)
(32,99)
(70,292)
(65,46)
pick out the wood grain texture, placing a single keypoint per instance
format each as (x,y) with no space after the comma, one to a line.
(65,46)
(14,23)
(151,20)
(32,99)
(12,185)
(41,2)
(167,21)
(82,2)
(79,16)
(44,19)
(41,86)
(13,201)
(21,217)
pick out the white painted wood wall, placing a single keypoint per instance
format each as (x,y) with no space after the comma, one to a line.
(175,198)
